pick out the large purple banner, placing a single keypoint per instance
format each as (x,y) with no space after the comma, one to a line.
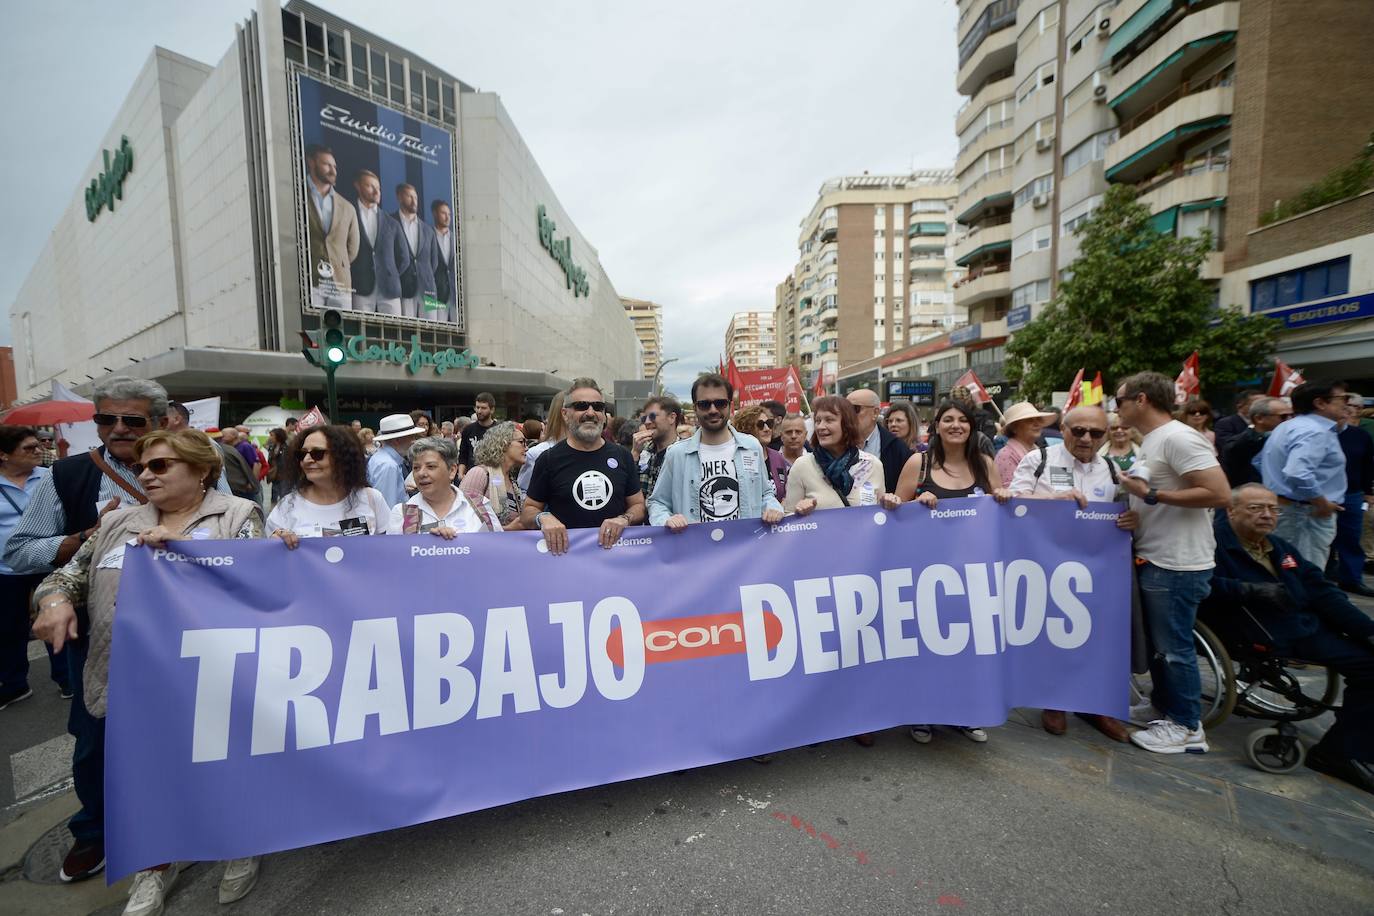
(262,699)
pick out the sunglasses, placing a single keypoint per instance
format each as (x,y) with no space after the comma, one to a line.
(1078,432)
(316,454)
(651,418)
(579,406)
(158,466)
(765,424)
(110,419)
(1197,413)
(717,403)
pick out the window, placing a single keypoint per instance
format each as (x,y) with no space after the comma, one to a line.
(450,115)
(1307,284)
(878,210)
(1043,76)
(877,322)
(1034,240)
(949,363)
(1042,185)
(878,300)
(897,255)
(1078,214)
(397,75)
(359,65)
(1090,150)
(378,73)
(928,206)
(431,97)
(338,66)
(1036,291)
(877,255)
(314,45)
(295,39)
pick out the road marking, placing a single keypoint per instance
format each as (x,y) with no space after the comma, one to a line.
(42,765)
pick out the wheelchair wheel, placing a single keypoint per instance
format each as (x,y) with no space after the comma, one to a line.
(1273,752)
(1217,676)
(1215,673)
(1285,694)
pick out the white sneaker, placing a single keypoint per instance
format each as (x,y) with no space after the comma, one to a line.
(239,877)
(1164,736)
(149,891)
(922,734)
(974,734)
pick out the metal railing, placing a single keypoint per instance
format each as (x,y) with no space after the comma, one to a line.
(1183,170)
(1183,89)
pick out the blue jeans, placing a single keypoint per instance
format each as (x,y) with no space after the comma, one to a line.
(88,757)
(1170,599)
(1349,527)
(1312,536)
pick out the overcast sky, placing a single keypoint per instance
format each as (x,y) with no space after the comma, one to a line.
(686,141)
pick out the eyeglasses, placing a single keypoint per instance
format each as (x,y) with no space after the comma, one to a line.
(31,448)
(110,419)
(579,406)
(765,424)
(316,454)
(1078,432)
(158,466)
(1262,509)
(717,403)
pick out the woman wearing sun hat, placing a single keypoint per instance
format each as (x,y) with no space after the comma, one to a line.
(1021,424)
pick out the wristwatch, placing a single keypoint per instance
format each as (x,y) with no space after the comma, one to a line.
(1151,498)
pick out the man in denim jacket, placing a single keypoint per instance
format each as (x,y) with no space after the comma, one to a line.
(718,474)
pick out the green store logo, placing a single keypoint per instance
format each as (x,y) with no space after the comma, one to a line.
(108,186)
(414,359)
(561,251)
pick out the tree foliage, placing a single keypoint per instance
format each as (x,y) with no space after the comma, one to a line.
(1135,301)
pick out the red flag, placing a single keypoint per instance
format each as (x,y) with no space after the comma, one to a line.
(1093,390)
(1285,380)
(732,375)
(819,388)
(1189,381)
(969,382)
(1075,391)
(312,419)
(720,366)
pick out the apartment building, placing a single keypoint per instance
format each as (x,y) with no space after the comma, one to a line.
(750,341)
(647,318)
(874,270)
(785,322)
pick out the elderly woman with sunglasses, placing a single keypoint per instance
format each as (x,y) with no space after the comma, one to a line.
(759,422)
(177,471)
(331,495)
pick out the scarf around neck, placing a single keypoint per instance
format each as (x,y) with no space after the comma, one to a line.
(837,470)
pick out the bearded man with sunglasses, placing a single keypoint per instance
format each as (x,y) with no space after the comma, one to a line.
(584,481)
(65,511)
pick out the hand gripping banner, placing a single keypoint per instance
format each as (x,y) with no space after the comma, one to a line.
(263,699)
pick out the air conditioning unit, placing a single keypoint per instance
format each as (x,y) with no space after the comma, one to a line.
(1043,143)
(1104,28)
(1040,200)
(1100,94)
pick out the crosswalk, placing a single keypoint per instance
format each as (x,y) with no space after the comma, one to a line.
(35,743)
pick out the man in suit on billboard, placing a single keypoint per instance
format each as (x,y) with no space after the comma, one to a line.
(417,280)
(332,231)
(382,253)
(444,275)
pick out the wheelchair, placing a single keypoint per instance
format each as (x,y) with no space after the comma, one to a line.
(1242,675)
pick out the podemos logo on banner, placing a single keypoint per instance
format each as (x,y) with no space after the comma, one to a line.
(378,194)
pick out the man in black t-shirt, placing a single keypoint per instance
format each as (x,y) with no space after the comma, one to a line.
(584,481)
(473,432)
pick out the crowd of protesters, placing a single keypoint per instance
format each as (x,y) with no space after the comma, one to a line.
(1264,507)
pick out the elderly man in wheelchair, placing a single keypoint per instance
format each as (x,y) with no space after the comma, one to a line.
(1264,592)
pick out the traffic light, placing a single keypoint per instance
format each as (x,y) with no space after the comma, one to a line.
(310,347)
(332,342)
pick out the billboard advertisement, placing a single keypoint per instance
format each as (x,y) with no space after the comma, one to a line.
(381,224)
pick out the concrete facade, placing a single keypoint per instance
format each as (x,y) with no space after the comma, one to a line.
(750,340)
(647,318)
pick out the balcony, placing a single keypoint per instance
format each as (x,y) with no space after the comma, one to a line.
(999,86)
(829,232)
(1154,137)
(988,190)
(980,286)
(1182,182)
(988,46)
(1159,67)
(984,240)
(993,136)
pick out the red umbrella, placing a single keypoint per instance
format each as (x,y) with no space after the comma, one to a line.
(48,413)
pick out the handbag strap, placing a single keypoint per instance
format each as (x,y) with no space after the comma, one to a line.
(118,481)
(10,499)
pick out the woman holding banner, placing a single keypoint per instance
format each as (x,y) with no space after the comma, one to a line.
(331,496)
(177,471)
(439,507)
(953,468)
(497,460)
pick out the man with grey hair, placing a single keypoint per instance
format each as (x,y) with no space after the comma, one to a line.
(65,510)
(584,481)
(1238,453)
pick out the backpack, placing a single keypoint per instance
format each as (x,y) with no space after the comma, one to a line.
(1044,457)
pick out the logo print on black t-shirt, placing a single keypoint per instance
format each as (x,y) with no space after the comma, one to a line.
(592,490)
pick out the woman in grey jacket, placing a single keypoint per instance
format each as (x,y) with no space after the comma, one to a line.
(177,471)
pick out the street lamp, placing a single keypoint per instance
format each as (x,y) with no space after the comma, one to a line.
(658,371)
